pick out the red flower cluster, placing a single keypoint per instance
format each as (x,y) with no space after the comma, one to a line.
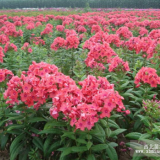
(147,75)
(1,55)
(117,64)
(143,31)
(144,44)
(60,28)
(99,54)
(58,43)
(124,32)
(47,30)
(96,99)
(37,41)
(30,26)
(9,29)
(10,46)
(4,73)
(3,39)
(95,28)
(81,29)
(72,41)
(26,47)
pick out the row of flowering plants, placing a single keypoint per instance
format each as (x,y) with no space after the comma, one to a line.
(80,86)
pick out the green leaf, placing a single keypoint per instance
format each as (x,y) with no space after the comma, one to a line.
(145,120)
(115,116)
(46,145)
(145,136)
(135,114)
(99,147)
(52,123)
(16,151)
(16,142)
(1,123)
(24,154)
(38,143)
(53,147)
(15,132)
(124,85)
(84,77)
(137,124)
(133,135)
(99,129)
(53,131)
(82,141)
(138,93)
(111,123)
(89,144)
(98,133)
(36,119)
(116,132)
(111,152)
(15,126)
(88,136)
(67,151)
(69,135)
(108,132)
(113,144)
(91,157)
(34,130)
(4,139)
(103,122)
(15,117)
(79,149)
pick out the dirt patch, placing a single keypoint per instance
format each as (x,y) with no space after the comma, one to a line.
(4,155)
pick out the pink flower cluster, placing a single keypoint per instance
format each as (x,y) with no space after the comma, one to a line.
(37,40)
(4,73)
(10,46)
(144,44)
(117,64)
(1,55)
(71,41)
(26,47)
(99,55)
(58,43)
(147,75)
(9,29)
(124,32)
(47,30)
(83,107)
(3,39)
(60,28)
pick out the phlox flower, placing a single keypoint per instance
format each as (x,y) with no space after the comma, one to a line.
(30,26)
(1,55)
(95,28)
(10,46)
(124,32)
(117,64)
(4,73)
(58,43)
(147,75)
(72,41)
(60,28)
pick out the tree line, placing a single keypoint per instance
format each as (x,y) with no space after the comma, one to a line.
(12,4)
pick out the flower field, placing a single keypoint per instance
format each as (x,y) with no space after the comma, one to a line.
(80,86)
